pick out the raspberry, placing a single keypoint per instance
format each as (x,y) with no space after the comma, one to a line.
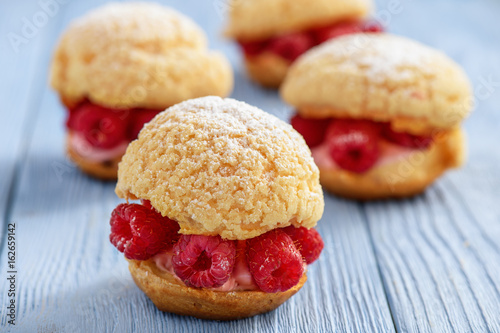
(290,46)
(274,261)
(406,139)
(372,26)
(204,261)
(307,241)
(353,144)
(253,48)
(313,130)
(138,119)
(140,232)
(101,127)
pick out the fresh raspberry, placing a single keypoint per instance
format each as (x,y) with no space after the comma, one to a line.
(101,127)
(241,249)
(353,144)
(138,119)
(253,48)
(204,261)
(313,130)
(274,261)
(140,232)
(406,139)
(307,241)
(290,46)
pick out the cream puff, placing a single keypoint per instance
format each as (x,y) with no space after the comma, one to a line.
(381,114)
(229,195)
(273,33)
(118,66)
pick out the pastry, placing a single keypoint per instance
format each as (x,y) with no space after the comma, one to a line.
(381,114)
(118,66)
(229,195)
(273,33)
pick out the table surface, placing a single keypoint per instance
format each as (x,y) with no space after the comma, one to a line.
(430,263)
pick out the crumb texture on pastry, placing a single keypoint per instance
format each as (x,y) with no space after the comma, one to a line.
(404,178)
(171,295)
(137,55)
(259,19)
(222,167)
(381,77)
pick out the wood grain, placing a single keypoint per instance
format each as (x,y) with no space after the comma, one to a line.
(72,279)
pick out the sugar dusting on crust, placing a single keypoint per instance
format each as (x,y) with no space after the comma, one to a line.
(220,166)
(380,76)
(140,24)
(130,55)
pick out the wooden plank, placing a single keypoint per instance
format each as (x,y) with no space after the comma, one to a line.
(17,100)
(72,279)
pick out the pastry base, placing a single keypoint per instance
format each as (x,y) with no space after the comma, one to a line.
(405,178)
(171,295)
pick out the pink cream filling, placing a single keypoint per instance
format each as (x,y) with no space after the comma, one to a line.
(240,279)
(80,145)
(389,153)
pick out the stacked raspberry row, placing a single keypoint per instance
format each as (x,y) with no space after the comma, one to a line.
(354,144)
(291,46)
(276,259)
(106,128)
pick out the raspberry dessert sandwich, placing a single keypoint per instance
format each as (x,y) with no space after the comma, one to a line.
(118,66)
(382,120)
(273,33)
(229,195)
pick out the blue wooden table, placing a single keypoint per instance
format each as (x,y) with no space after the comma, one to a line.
(427,264)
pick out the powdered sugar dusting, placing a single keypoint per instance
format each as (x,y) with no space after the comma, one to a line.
(380,77)
(379,55)
(220,166)
(137,55)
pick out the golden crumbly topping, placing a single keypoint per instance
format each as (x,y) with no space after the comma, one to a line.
(381,77)
(223,167)
(137,55)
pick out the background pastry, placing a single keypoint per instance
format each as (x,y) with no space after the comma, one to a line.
(118,66)
(273,33)
(381,113)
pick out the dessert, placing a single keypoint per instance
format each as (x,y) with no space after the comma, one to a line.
(381,114)
(229,195)
(118,66)
(274,33)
